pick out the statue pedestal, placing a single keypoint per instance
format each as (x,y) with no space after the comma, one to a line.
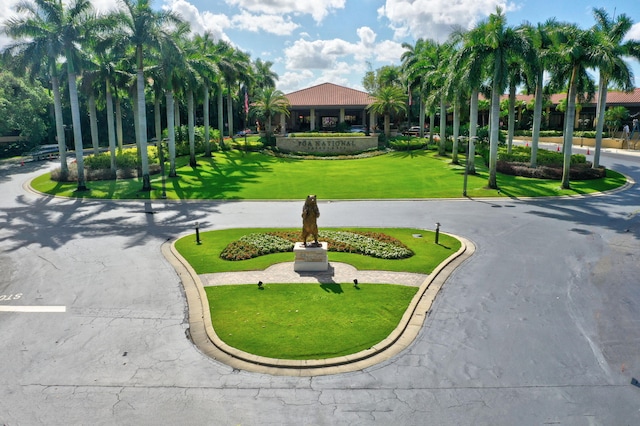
(310,258)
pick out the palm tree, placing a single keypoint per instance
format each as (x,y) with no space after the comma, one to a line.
(46,31)
(388,100)
(269,102)
(610,51)
(537,62)
(233,64)
(144,29)
(264,75)
(496,43)
(209,74)
(574,53)
(468,73)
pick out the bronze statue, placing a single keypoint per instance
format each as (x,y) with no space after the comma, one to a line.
(310,214)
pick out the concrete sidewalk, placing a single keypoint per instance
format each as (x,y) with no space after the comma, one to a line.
(337,273)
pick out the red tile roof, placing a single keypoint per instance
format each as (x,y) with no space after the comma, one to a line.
(328,94)
(612,97)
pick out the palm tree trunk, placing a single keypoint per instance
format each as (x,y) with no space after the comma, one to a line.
(220,114)
(119,132)
(537,119)
(77,130)
(190,124)
(432,124)
(512,117)
(110,127)
(443,127)
(142,126)
(93,122)
(473,131)
(456,131)
(57,109)
(494,124)
(387,126)
(171,131)
(568,133)
(157,117)
(602,105)
(422,117)
(230,112)
(205,112)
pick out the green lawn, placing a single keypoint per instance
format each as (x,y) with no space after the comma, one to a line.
(205,257)
(306,321)
(239,175)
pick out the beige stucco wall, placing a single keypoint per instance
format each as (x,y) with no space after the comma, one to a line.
(338,145)
(606,142)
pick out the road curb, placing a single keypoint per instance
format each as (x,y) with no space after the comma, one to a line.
(203,335)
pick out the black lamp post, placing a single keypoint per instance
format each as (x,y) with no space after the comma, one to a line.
(198,233)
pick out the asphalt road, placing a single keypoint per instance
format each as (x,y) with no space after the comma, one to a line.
(540,326)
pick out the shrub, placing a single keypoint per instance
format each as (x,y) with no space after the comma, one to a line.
(582,171)
(367,243)
(406,143)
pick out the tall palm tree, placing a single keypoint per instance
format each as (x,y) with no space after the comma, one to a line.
(143,28)
(610,51)
(209,73)
(574,55)
(47,31)
(537,62)
(267,103)
(264,75)
(234,66)
(388,100)
(496,43)
(468,74)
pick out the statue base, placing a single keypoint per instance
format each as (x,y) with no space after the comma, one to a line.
(311,257)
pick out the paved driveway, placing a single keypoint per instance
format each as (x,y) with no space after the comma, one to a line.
(540,326)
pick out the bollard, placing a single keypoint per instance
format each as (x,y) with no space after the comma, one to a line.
(197,233)
(437,232)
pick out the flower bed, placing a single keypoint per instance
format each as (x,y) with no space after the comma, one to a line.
(366,243)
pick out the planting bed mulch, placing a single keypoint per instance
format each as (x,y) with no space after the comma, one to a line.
(581,171)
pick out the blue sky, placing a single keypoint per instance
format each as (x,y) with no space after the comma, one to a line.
(316,41)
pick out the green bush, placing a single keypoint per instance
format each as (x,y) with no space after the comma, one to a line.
(323,135)
(125,159)
(407,143)
(372,244)
(522,154)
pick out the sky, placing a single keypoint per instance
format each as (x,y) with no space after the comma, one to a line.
(312,42)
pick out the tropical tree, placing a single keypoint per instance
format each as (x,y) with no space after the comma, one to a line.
(388,100)
(467,70)
(573,56)
(38,43)
(143,28)
(537,62)
(269,102)
(234,66)
(495,43)
(611,49)
(263,74)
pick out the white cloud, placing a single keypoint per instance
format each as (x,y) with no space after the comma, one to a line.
(634,32)
(435,19)
(274,24)
(318,9)
(291,81)
(389,51)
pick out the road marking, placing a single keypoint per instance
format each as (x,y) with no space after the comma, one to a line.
(15,308)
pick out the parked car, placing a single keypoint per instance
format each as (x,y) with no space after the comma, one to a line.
(43,152)
(358,129)
(412,131)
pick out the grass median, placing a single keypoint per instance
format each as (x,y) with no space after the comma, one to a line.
(243,175)
(310,321)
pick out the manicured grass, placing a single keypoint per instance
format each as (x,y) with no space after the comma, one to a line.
(306,321)
(408,174)
(205,257)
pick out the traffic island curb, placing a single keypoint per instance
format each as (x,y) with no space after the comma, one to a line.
(203,335)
